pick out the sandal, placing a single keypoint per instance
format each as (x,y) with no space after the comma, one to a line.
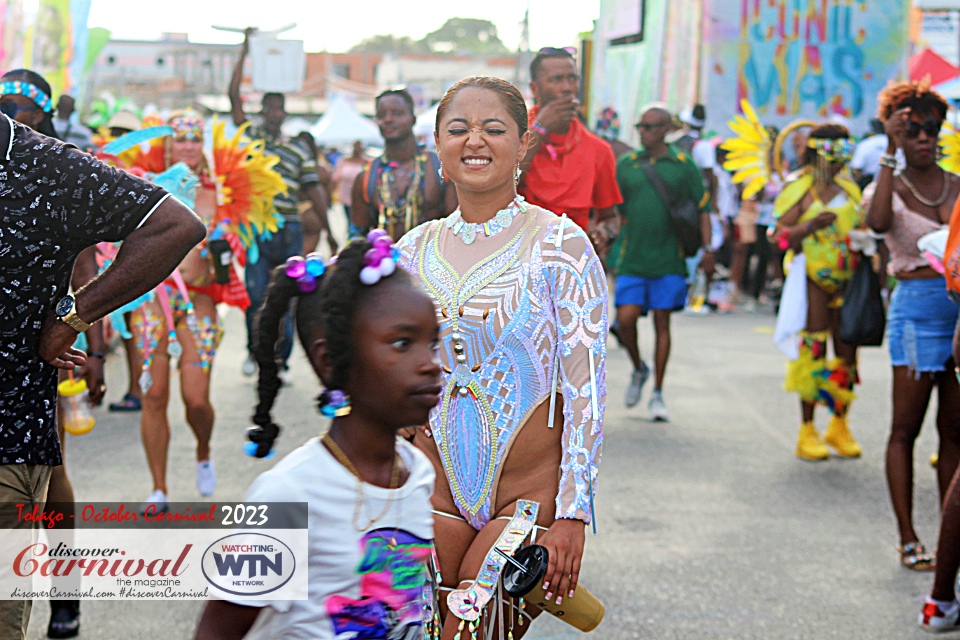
(914,556)
(129,403)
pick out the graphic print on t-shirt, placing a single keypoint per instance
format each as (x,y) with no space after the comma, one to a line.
(392,578)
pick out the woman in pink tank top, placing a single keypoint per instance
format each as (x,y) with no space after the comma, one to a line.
(906,205)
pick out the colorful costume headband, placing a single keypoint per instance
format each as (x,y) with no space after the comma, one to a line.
(188,126)
(833,150)
(18,87)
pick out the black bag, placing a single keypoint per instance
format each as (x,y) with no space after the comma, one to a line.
(862,317)
(684,214)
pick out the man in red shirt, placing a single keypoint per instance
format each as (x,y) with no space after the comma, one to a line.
(568,169)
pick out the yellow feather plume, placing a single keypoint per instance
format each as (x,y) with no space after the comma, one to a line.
(246,184)
(749,151)
(950,144)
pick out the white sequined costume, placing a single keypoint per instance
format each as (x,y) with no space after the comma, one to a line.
(521,314)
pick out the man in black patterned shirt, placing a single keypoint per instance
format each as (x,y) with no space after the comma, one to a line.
(54,202)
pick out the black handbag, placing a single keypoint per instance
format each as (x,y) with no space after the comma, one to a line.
(863,319)
(684,213)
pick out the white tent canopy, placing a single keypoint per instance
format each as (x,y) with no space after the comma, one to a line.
(341,124)
(294,125)
(426,122)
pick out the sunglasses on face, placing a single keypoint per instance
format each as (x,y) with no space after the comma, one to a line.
(930,127)
(646,126)
(10,108)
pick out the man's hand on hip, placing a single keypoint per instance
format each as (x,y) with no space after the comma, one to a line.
(55,348)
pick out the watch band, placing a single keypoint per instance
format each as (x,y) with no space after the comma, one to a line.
(74,321)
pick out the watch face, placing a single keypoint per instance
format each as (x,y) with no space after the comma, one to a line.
(64,306)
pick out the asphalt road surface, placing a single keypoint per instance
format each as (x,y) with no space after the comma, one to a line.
(709,527)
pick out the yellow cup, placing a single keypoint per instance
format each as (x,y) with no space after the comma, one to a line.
(75,407)
(583,611)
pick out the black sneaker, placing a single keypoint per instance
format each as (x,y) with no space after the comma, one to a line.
(64,619)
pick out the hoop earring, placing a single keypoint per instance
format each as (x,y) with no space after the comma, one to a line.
(334,403)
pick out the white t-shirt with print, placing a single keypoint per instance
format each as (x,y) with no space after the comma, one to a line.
(359,586)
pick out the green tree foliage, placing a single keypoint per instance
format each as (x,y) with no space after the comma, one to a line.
(389,44)
(456,36)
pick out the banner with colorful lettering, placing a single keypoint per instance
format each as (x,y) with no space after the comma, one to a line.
(802,58)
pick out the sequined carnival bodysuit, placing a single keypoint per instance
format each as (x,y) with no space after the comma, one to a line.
(529,313)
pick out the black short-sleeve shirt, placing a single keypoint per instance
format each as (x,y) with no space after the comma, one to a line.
(54,202)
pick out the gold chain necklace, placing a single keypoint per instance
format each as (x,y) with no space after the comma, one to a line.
(930,203)
(341,457)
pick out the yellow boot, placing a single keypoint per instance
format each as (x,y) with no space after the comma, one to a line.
(809,446)
(839,437)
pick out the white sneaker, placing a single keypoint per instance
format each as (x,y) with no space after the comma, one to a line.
(286,378)
(635,389)
(157,499)
(936,620)
(658,410)
(206,478)
(249,367)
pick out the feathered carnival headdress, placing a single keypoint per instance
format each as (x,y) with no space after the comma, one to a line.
(242,174)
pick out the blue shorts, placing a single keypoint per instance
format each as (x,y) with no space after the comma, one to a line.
(666,292)
(920,325)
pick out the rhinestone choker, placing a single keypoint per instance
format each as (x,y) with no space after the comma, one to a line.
(468,231)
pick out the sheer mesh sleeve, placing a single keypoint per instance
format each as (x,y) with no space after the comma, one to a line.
(579,288)
(407,248)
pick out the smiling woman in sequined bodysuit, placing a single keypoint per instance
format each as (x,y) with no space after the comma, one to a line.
(521,299)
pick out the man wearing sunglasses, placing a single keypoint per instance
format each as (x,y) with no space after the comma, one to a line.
(650,265)
(567,168)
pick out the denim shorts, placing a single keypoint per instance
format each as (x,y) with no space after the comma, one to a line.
(666,292)
(920,325)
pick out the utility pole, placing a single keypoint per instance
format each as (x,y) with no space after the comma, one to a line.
(523,50)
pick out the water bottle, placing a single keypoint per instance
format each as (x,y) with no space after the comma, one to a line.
(75,407)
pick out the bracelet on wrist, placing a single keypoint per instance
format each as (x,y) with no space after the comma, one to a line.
(540,129)
(888,160)
(97,354)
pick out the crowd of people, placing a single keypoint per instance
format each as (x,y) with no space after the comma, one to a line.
(460,336)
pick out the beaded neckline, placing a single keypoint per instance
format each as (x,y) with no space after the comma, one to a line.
(468,231)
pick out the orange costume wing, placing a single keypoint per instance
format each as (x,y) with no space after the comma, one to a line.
(246,185)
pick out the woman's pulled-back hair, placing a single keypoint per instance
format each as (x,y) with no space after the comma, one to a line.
(511,98)
(329,311)
(917,96)
(32,77)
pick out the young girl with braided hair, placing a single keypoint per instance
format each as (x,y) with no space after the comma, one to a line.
(371,336)
(905,205)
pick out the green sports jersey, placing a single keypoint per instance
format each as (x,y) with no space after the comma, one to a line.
(648,246)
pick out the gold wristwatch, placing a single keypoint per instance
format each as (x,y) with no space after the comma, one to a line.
(66,311)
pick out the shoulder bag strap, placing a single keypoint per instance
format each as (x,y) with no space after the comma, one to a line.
(658,184)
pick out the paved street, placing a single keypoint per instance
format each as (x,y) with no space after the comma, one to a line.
(709,527)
